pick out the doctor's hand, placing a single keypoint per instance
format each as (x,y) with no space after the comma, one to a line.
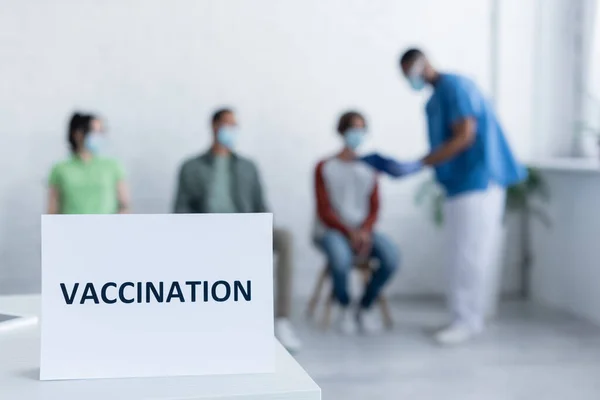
(392,167)
(405,168)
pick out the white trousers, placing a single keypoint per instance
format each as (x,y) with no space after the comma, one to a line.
(474,222)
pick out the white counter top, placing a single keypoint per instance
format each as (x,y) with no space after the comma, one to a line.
(19,374)
(567,164)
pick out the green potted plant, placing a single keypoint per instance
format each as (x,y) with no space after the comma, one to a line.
(522,199)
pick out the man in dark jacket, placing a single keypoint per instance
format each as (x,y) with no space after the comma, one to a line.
(221,181)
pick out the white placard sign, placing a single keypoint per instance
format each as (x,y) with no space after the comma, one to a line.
(156,295)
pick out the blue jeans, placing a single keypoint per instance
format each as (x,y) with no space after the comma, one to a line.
(340,257)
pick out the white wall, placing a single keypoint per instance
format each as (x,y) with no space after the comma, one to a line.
(539,94)
(540,74)
(566,272)
(515,84)
(156,70)
(517,71)
(590,69)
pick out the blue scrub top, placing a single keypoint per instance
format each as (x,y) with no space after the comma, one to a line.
(489,159)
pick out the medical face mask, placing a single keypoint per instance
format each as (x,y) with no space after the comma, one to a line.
(227,136)
(417,83)
(354,137)
(415,75)
(94,142)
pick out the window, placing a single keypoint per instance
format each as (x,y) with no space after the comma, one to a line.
(590,88)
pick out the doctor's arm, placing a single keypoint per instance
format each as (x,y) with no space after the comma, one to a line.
(463,136)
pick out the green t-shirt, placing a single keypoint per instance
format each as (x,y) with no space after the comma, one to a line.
(220,199)
(87,187)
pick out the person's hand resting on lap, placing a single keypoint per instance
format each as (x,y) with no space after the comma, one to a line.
(361,242)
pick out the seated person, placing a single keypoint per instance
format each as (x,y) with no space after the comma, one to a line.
(347,208)
(87,183)
(221,181)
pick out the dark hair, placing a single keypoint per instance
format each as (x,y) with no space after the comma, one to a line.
(216,117)
(410,56)
(345,121)
(79,123)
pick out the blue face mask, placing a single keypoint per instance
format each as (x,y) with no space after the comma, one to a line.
(227,136)
(94,142)
(417,83)
(354,137)
(415,75)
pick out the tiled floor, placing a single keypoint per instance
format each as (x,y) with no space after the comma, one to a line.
(529,353)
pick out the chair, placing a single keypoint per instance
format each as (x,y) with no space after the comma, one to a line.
(366,270)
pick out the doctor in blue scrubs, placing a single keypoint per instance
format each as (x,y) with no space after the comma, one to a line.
(474,164)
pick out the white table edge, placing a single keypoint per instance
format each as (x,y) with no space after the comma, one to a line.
(30,305)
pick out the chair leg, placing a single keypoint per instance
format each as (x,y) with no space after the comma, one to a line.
(327,312)
(365,274)
(314,299)
(385,312)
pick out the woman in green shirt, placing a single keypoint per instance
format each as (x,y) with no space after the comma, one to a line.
(87,183)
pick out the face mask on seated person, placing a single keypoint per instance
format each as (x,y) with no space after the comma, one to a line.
(94,142)
(354,137)
(227,136)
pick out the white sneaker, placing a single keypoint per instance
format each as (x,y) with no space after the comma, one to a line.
(457,333)
(346,321)
(286,335)
(369,321)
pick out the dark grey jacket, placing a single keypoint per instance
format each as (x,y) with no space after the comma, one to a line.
(195,180)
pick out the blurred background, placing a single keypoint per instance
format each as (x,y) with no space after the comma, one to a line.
(156,70)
